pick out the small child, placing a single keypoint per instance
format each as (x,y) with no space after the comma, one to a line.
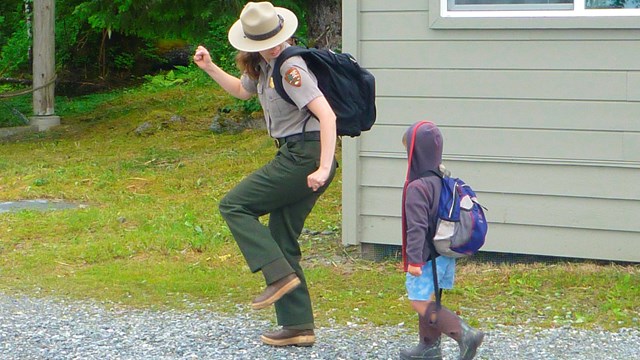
(421,195)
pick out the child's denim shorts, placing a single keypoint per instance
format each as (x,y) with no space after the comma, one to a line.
(420,288)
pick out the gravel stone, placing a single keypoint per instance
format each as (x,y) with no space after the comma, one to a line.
(46,328)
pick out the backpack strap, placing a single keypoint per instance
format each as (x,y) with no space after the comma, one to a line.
(436,288)
(432,249)
(277,77)
(275,74)
(433,172)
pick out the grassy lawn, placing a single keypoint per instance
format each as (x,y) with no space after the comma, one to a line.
(151,234)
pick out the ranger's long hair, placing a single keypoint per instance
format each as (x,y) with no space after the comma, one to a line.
(248,62)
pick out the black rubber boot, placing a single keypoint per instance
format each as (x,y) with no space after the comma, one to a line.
(469,341)
(422,351)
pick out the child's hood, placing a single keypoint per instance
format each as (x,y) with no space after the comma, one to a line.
(427,152)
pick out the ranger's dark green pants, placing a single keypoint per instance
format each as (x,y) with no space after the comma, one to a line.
(279,189)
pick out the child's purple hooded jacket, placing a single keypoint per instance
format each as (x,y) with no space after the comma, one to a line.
(421,192)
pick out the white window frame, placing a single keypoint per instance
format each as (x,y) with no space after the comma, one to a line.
(579,18)
(578,10)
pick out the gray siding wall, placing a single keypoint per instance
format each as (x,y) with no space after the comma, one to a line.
(543,123)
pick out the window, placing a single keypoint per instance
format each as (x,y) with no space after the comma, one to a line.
(539,8)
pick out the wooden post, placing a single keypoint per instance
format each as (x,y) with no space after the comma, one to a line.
(44,65)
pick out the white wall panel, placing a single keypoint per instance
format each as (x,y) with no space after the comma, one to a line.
(508,84)
(503,55)
(543,179)
(519,143)
(508,113)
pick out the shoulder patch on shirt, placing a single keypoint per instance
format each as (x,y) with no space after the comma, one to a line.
(293,77)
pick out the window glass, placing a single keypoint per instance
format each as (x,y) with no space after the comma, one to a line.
(521,5)
(511,2)
(612,4)
(462,5)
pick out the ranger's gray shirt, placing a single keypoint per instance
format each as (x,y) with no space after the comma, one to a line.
(282,118)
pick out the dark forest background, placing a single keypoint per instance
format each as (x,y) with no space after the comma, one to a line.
(103,44)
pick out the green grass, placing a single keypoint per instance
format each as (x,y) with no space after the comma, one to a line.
(151,235)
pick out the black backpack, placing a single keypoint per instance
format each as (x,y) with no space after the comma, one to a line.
(349,89)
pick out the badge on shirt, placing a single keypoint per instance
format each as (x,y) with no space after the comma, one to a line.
(271,84)
(293,77)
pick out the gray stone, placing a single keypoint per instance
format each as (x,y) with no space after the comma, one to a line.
(145,129)
(38,205)
(8,132)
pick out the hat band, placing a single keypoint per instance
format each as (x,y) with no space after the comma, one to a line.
(270,34)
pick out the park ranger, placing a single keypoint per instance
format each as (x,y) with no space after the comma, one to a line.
(289,185)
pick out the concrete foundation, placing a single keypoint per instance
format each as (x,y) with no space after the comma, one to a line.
(44,123)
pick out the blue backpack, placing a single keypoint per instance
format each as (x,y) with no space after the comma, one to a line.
(462,226)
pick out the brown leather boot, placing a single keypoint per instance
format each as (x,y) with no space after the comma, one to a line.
(289,337)
(275,291)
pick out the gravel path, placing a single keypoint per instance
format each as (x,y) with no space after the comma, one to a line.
(33,328)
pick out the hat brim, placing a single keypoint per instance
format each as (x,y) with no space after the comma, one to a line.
(239,41)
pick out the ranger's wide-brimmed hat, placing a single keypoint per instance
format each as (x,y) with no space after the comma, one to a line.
(262,26)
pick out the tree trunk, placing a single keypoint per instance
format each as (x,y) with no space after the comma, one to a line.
(43,57)
(325,24)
